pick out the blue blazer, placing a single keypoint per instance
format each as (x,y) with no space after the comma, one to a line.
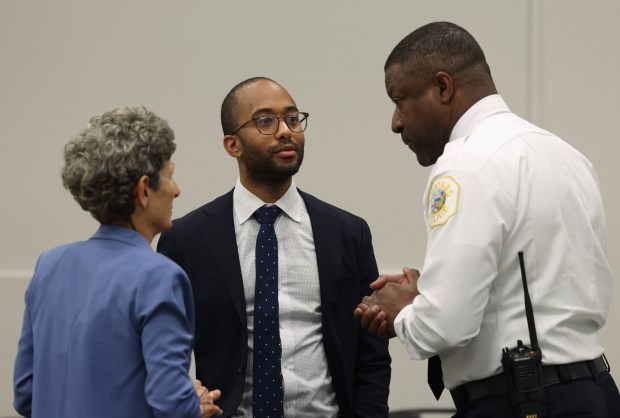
(107,332)
(203,243)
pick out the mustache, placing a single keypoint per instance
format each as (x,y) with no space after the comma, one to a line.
(285,143)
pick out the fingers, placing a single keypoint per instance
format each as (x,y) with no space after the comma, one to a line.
(209,410)
(207,407)
(379,283)
(200,390)
(202,393)
(206,397)
(371,319)
(411,274)
(370,315)
(359,311)
(412,277)
(382,331)
(375,321)
(215,394)
(386,287)
(391,278)
(378,325)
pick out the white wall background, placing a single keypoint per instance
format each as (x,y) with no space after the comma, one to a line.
(61,62)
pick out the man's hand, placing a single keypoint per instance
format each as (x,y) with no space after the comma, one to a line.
(378,284)
(392,293)
(207,399)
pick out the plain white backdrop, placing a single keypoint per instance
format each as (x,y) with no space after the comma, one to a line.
(555,62)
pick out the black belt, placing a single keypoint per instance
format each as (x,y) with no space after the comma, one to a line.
(552,375)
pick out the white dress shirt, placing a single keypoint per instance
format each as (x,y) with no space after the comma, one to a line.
(502,186)
(308,390)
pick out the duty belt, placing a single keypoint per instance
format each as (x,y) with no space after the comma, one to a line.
(552,375)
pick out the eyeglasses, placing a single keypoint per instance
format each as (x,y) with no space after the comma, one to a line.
(267,123)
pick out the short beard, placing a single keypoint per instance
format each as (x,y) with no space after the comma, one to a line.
(263,170)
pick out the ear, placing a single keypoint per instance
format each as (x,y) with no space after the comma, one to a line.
(445,86)
(233,146)
(141,191)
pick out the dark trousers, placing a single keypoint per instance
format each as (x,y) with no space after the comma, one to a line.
(583,398)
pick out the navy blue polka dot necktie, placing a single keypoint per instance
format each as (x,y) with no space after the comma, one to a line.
(267,392)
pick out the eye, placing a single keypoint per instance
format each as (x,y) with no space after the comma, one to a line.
(293,119)
(264,121)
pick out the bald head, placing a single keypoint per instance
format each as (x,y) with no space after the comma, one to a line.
(230,105)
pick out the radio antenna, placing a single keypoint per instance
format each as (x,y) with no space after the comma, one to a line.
(529,312)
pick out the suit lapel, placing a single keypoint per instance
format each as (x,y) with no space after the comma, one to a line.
(218,233)
(327,244)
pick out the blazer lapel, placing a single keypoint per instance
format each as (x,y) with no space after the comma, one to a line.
(218,232)
(327,244)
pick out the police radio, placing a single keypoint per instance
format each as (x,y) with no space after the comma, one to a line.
(523,367)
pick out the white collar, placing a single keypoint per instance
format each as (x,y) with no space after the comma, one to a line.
(245,202)
(482,109)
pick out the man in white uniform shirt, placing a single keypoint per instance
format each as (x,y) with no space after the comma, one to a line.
(499,186)
(330,367)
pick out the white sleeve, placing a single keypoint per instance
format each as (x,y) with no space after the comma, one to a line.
(466,214)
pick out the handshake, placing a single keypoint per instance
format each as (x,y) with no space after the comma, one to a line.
(391,294)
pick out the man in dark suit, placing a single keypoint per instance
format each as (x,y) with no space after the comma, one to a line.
(325,263)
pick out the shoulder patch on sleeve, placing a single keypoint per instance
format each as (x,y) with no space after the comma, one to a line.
(443,200)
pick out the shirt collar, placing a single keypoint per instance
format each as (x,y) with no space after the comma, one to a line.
(482,109)
(245,202)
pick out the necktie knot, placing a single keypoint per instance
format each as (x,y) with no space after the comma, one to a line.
(267,214)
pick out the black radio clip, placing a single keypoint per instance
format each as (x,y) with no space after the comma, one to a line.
(523,367)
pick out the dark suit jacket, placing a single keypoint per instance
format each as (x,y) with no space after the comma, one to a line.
(203,243)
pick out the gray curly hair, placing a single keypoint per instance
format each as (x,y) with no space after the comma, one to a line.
(104,162)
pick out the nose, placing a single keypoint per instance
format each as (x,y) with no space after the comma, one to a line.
(283,130)
(177,190)
(397,122)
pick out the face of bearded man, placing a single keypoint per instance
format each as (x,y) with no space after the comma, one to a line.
(264,165)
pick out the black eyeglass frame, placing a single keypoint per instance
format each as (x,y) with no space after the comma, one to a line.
(279,118)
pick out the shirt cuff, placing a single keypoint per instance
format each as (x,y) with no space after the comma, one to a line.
(403,332)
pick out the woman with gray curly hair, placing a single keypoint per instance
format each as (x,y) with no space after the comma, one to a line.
(108,324)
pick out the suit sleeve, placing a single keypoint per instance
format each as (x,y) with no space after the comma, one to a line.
(372,371)
(164,310)
(23,371)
